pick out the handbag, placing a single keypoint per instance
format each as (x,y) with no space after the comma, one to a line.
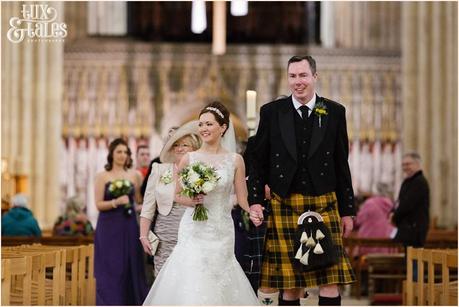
(314,246)
(154,241)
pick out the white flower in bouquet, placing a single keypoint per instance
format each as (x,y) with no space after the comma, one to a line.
(194,178)
(119,188)
(198,178)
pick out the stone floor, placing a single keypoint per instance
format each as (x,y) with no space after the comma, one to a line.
(346,299)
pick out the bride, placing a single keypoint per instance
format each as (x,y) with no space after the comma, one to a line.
(202,268)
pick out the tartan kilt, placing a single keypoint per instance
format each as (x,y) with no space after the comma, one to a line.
(277,268)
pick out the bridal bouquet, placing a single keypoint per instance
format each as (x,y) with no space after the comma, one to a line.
(198,178)
(119,188)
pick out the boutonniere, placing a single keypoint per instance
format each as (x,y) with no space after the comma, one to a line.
(166,178)
(320,110)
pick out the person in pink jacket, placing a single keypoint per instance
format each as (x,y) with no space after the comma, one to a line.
(373,221)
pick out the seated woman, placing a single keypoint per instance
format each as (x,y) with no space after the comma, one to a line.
(74,221)
(19,220)
(372,219)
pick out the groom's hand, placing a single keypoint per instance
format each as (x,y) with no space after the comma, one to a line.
(347,224)
(256,214)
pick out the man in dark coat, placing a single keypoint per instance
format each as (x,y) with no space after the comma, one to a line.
(301,152)
(411,217)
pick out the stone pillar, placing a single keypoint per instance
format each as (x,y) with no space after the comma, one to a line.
(327,24)
(31,113)
(107,18)
(75,18)
(363,25)
(429,66)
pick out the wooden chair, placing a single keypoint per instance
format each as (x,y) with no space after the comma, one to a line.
(385,275)
(69,269)
(17,281)
(53,240)
(437,238)
(359,262)
(431,292)
(38,280)
(46,269)
(87,283)
(76,275)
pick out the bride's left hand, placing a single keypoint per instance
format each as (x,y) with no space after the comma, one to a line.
(198,199)
(189,202)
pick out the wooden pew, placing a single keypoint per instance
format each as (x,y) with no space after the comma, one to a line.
(431,292)
(386,273)
(17,270)
(436,239)
(72,283)
(70,259)
(46,270)
(53,240)
(359,262)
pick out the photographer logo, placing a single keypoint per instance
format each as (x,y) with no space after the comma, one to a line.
(38,24)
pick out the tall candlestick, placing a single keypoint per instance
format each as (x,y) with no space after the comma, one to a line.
(251,104)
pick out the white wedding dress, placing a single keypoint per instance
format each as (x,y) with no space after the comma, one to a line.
(202,268)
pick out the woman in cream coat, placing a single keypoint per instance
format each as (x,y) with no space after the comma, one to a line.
(159,194)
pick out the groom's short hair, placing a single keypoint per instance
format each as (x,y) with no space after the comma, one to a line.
(299,58)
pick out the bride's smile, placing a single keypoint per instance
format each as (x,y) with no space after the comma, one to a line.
(209,129)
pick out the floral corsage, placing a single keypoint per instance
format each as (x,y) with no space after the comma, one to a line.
(166,178)
(320,110)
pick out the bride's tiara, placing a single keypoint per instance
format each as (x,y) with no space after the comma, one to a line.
(216,111)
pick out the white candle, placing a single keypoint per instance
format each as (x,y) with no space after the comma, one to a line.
(251,104)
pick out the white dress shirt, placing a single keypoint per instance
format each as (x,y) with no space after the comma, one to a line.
(311,104)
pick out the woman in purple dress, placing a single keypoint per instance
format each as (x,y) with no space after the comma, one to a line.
(118,262)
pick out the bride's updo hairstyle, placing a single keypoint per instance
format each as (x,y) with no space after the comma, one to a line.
(220,113)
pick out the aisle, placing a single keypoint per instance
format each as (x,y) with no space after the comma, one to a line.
(346,300)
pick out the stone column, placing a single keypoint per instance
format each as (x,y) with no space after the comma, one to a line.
(327,24)
(429,66)
(362,25)
(75,18)
(32,81)
(107,18)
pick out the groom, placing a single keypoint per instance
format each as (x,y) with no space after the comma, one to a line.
(300,151)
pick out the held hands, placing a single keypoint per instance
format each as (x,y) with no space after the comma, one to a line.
(256,214)
(347,225)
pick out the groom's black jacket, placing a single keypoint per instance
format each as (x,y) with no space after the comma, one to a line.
(274,156)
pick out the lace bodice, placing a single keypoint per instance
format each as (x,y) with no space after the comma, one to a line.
(217,202)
